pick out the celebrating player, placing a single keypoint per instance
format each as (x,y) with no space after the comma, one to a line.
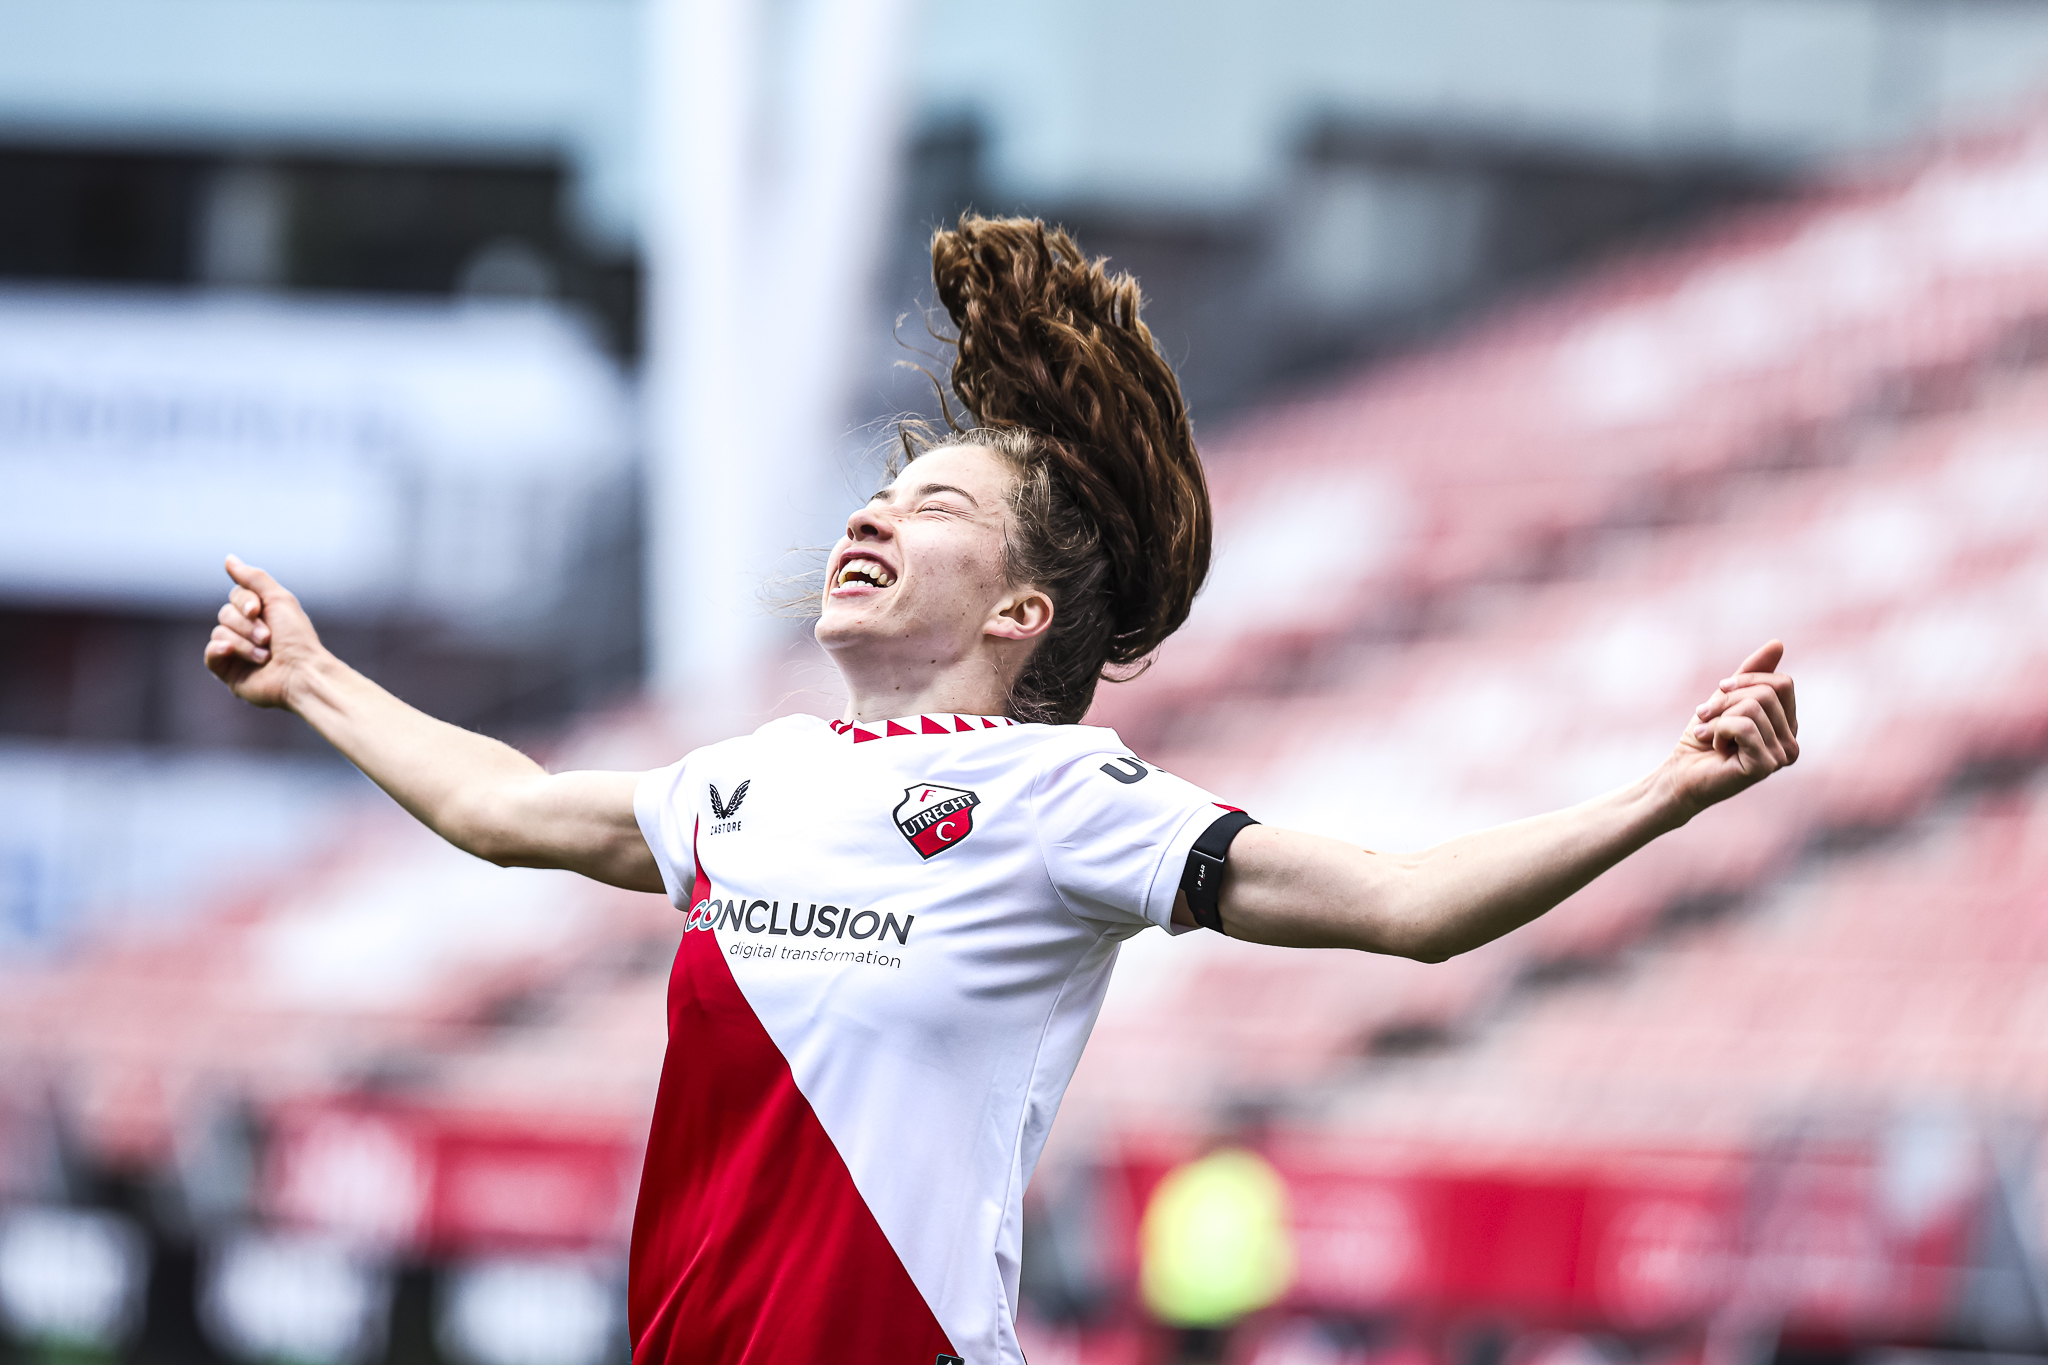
(900,923)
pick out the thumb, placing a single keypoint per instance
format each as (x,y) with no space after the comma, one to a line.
(1765,659)
(253,578)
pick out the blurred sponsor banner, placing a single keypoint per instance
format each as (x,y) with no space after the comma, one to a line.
(450,1184)
(1812,1240)
(1638,1244)
(430,459)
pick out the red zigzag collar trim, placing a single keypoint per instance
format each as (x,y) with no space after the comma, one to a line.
(943,724)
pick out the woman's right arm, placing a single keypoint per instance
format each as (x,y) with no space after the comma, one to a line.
(484,797)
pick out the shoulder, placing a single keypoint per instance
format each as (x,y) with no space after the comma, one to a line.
(785,735)
(791,727)
(1065,758)
(1059,746)
(1091,764)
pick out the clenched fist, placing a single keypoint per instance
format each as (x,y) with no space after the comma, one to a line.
(264,639)
(1739,736)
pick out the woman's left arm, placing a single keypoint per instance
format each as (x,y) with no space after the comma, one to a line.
(1306,891)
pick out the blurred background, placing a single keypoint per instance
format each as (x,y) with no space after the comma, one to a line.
(1547,355)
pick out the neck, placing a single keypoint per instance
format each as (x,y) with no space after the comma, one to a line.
(882,690)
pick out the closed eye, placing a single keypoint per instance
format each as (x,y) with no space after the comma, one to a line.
(930,503)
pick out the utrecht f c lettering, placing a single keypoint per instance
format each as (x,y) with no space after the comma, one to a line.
(935,817)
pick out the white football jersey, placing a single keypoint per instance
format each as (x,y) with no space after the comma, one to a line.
(898,938)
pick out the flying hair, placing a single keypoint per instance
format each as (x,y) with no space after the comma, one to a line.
(1060,377)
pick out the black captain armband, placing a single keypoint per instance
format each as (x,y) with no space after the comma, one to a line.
(1203,880)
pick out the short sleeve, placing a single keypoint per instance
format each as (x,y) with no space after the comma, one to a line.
(1115,832)
(668,823)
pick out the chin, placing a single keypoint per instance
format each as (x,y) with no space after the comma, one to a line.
(835,634)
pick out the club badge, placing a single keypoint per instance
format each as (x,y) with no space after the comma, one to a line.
(934,818)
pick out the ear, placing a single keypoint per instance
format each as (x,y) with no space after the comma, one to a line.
(1024,614)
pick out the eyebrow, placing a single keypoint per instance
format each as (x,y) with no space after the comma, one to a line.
(931,488)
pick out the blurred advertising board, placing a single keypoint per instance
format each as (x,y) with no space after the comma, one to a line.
(447,1183)
(450,1184)
(1639,1244)
(381,458)
(1810,1239)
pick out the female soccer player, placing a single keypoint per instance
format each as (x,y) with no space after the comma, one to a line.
(900,923)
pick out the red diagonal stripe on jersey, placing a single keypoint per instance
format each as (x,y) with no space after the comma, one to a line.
(960,726)
(751,1245)
(860,736)
(896,729)
(932,727)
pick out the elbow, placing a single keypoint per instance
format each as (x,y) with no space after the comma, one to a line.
(470,826)
(496,847)
(1428,950)
(1422,924)
(1421,941)
(479,844)
(1396,913)
(1413,944)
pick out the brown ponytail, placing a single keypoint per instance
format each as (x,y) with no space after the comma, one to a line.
(1060,377)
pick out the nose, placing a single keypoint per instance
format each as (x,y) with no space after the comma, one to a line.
(867,524)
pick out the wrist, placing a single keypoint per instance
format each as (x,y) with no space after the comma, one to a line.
(1665,805)
(313,681)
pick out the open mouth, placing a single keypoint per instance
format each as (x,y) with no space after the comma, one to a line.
(863,573)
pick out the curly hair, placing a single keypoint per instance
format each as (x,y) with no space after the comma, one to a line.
(1061,378)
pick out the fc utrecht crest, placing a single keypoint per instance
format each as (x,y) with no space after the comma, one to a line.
(934,818)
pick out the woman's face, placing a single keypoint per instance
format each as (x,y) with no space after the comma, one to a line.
(920,570)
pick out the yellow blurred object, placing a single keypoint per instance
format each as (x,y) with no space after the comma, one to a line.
(1215,1242)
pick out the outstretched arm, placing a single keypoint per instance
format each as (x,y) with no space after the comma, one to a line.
(1305,891)
(484,797)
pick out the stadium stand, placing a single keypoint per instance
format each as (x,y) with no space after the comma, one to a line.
(1363,510)
(1536,550)
(1914,581)
(1466,587)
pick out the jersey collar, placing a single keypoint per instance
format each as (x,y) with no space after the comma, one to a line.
(945,724)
